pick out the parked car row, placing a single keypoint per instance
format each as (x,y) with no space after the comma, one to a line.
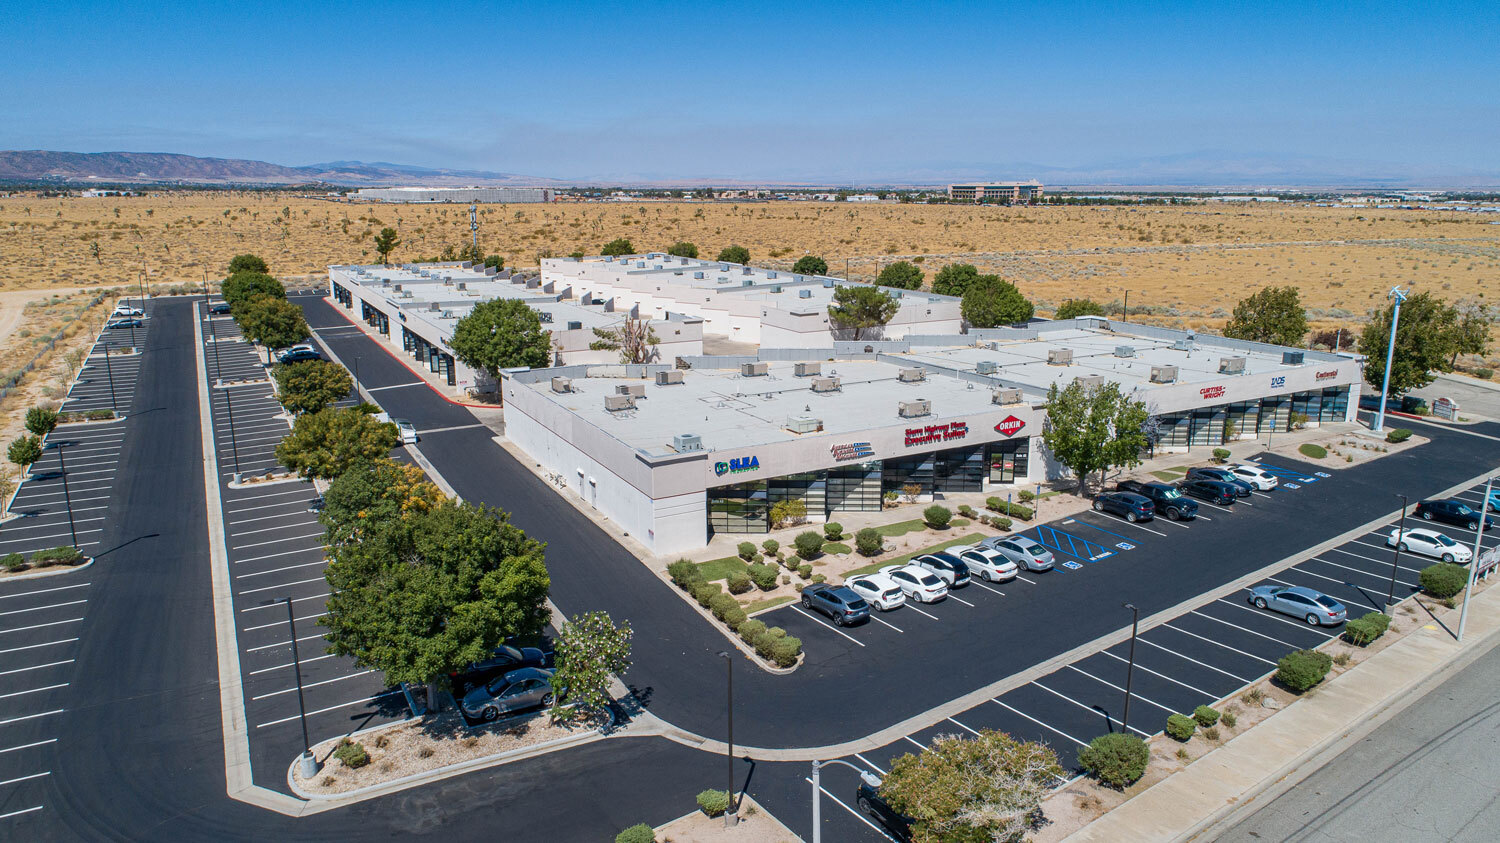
(1137,500)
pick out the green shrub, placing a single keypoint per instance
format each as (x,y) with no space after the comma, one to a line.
(1221,454)
(1308,449)
(704,592)
(804,571)
(1015,510)
(352,754)
(1484,374)
(833,530)
(721,603)
(1118,759)
(750,630)
(770,546)
(1181,726)
(734,617)
(714,802)
(966,511)
(640,833)
(792,562)
(1302,669)
(1445,579)
(785,651)
(1361,631)
(1211,733)
(683,572)
(820,578)
(1229,719)
(738,582)
(1000,522)
(1205,716)
(764,642)
(746,550)
(99,415)
(764,576)
(64,555)
(868,542)
(12,561)
(937,516)
(808,544)
(1399,434)
(1026,496)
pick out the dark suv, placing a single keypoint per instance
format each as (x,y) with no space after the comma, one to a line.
(840,604)
(1169,501)
(871,802)
(1129,505)
(1212,491)
(1450,511)
(1222,475)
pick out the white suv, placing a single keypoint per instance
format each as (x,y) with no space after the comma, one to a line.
(917,583)
(988,563)
(1256,476)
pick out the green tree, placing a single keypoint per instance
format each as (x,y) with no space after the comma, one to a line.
(311,385)
(243,286)
(633,338)
(989,302)
(385,243)
(326,443)
(683,249)
(1078,307)
(903,274)
(808,265)
(248,263)
(1273,315)
(971,789)
(25,451)
(372,494)
(861,307)
(1094,428)
(1424,343)
(273,323)
(41,420)
(501,334)
(495,261)
(1471,329)
(589,650)
(954,279)
(734,254)
(471,253)
(618,246)
(426,596)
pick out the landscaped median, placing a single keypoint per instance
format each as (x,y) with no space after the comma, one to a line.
(55,560)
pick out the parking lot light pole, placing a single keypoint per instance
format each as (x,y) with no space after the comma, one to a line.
(1463,614)
(308,761)
(1135,625)
(1399,295)
(62,466)
(109,370)
(729,814)
(1390,597)
(233,443)
(866,776)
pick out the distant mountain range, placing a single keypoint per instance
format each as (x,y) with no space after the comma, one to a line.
(169,168)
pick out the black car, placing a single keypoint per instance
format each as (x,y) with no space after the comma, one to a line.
(299,355)
(1450,511)
(1129,505)
(125,323)
(219,308)
(502,659)
(1213,491)
(1222,475)
(840,604)
(1168,500)
(948,568)
(874,806)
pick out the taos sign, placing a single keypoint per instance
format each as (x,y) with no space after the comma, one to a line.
(1010,426)
(936,433)
(1211,392)
(738,465)
(1323,376)
(852,451)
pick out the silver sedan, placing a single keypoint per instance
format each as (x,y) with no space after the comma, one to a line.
(1026,553)
(1315,607)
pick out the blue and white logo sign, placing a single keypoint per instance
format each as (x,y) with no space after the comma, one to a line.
(1278,382)
(738,465)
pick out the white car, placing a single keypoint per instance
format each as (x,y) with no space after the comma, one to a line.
(127,310)
(878,590)
(408,431)
(988,563)
(1255,476)
(1430,543)
(917,583)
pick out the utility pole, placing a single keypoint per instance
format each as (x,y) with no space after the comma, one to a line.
(1399,295)
(1463,615)
(1390,598)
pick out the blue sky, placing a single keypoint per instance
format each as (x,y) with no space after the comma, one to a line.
(759,90)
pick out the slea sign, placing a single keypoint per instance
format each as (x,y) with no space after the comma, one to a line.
(738,465)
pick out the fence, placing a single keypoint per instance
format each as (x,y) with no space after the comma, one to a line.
(13,379)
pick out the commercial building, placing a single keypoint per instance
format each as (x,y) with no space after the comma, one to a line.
(674,455)
(415,307)
(455,194)
(766,307)
(1013,192)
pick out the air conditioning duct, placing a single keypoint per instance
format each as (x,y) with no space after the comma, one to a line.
(1232,366)
(1184,344)
(1163,374)
(804,370)
(575,326)
(1060,357)
(1090,381)
(915,409)
(669,377)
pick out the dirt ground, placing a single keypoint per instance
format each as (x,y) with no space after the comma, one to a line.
(755,824)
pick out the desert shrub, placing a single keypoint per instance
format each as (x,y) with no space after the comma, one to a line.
(792,562)
(1014,510)
(721,603)
(704,592)
(770,546)
(1342,659)
(868,542)
(750,630)
(1361,631)
(937,516)
(1229,718)
(966,511)
(804,571)
(1117,759)
(1026,496)
(788,512)
(746,550)
(808,544)
(98,415)
(639,833)
(833,530)
(714,802)
(12,561)
(1484,373)
(785,651)
(911,491)
(765,642)
(1205,716)
(1399,434)
(64,555)
(352,754)
(820,578)
(1000,522)
(1181,726)
(1302,669)
(1221,454)
(764,576)
(738,582)
(1211,733)
(734,617)
(683,572)
(1445,579)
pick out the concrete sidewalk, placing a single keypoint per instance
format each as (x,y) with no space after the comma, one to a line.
(1295,740)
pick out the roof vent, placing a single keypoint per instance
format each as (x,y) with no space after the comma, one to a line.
(804,294)
(636,389)
(1060,357)
(562,384)
(915,409)
(807,369)
(1163,374)
(1184,344)
(575,325)
(912,375)
(1124,351)
(436,306)
(616,403)
(397,288)
(754,370)
(671,376)
(687,442)
(986,367)
(1291,358)
(804,424)
(1090,381)
(825,385)
(1232,366)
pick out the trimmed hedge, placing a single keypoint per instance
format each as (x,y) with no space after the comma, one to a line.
(734,617)
(808,544)
(766,641)
(1361,631)
(770,546)
(804,571)
(746,550)
(764,576)
(638,833)
(833,530)
(704,592)
(1221,454)
(868,542)
(785,651)
(1117,759)
(1181,726)
(1302,669)
(683,572)
(1205,716)
(63,555)
(1445,579)
(751,629)
(1399,434)
(12,561)
(738,582)
(1015,510)
(721,603)
(714,802)
(937,516)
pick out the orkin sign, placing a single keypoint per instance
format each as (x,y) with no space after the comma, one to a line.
(738,465)
(1211,392)
(852,451)
(1323,376)
(1010,426)
(936,433)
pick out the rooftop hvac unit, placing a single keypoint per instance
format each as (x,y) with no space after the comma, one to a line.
(1006,396)
(1060,357)
(640,264)
(825,385)
(682,261)
(804,424)
(1184,344)
(698,275)
(609,258)
(797,278)
(447,314)
(807,369)
(636,389)
(770,274)
(745,271)
(542,316)
(615,403)
(575,325)
(562,384)
(754,370)
(656,266)
(912,375)
(1124,351)
(1232,366)
(747,282)
(723,266)
(1163,374)
(804,294)
(1090,381)
(672,376)
(828,282)
(775,288)
(986,367)
(435,307)
(915,409)
(687,442)
(1291,358)
(397,288)
(463,285)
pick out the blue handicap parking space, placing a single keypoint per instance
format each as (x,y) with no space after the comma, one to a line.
(1291,474)
(1124,543)
(1075,546)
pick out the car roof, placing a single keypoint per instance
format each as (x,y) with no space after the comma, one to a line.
(878,579)
(1309,593)
(1023,542)
(1132,497)
(521,673)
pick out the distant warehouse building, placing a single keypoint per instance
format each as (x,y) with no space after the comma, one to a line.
(455,194)
(1013,192)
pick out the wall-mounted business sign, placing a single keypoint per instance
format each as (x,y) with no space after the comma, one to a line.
(1278,382)
(1323,376)
(852,451)
(1211,392)
(738,465)
(928,434)
(1010,426)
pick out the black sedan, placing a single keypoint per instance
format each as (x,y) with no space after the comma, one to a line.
(1129,505)
(871,802)
(125,323)
(1213,491)
(1222,475)
(1451,511)
(502,659)
(219,308)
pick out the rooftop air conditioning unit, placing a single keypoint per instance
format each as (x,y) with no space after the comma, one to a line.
(698,275)
(746,271)
(1060,357)
(804,294)
(825,385)
(915,409)
(562,384)
(636,389)
(463,285)
(397,288)
(1184,344)
(1006,396)
(986,367)
(687,442)
(640,264)
(1090,381)
(1124,351)
(1232,366)
(804,370)
(1163,374)
(754,370)
(615,403)
(575,325)
(770,274)
(912,375)
(672,376)
(804,424)
(436,307)
(1291,358)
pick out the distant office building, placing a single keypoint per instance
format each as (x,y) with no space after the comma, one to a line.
(1015,192)
(455,194)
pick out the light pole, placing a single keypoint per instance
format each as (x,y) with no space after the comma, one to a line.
(308,761)
(1125,308)
(1390,597)
(865,776)
(1135,625)
(62,466)
(729,816)
(1399,295)
(1463,614)
(109,370)
(474,225)
(356,379)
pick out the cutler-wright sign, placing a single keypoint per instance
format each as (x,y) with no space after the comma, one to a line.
(936,433)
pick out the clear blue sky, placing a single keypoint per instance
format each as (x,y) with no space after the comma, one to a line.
(774,90)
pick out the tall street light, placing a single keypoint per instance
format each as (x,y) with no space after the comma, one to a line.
(1399,296)
(1135,626)
(1463,615)
(865,776)
(1390,597)
(62,466)
(308,761)
(109,370)
(729,813)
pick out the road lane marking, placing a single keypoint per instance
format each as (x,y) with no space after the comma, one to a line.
(33,690)
(857,815)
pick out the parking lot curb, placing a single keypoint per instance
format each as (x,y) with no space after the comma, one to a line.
(52,573)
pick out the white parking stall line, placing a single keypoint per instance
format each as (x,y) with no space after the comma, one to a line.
(328,709)
(1140,697)
(1040,723)
(30,716)
(49,536)
(25,778)
(31,745)
(908,604)
(28,496)
(281,515)
(274,605)
(40,625)
(975,581)
(1242,680)
(1025,579)
(871,763)
(1169,625)
(829,626)
(1089,708)
(279,623)
(290,664)
(1139,666)
(953,596)
(962,726)
(35,667)
(45,590)
(52,525)
(304,502)
(917,743)
(1381,547)
(278,570)
(1258,492)
(282,553)
(1267,615)
(42,608)
(1311,574)
(268,495)
(33,690)
(857,815)
(282,643)
(1246,629)
(282,585)
(1376,574)
(306,685)
(1130,523)
(395,386)
(1245,502)
(273,529)
(28,811)
(877,619)
(1173,523)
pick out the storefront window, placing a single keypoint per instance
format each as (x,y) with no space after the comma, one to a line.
(1245,417)
(1208,428)
(1174,430)
(1308,404)
(1275,413)
(854,488)
(959,470)
(896,474)
(809,488)
(1335,404)
(1009,460)
(741,508)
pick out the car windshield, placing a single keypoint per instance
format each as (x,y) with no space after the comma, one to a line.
(1327,601)
(856,605)
(1444,540)
(1037,551)
(1170,494)
(1463,509)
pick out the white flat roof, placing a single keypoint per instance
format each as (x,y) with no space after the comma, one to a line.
(440,287)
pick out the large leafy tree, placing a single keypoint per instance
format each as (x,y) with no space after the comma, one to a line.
(734,254)
(990,301)
(903,274)
(248,263)
(1094,428)
(954,279)
(311,385)
(326,443)
(242,286)
(271,322)
(971,789)
(24,451)
(590,649)
(41,420)
(501,334)
(861,307)
(1471,328)
(1073,308)
(809,265)
(385,243)
(618,246)
(424,596)
(1425,340)
(372,494)
(633,338)
(683,249)
(1273,315)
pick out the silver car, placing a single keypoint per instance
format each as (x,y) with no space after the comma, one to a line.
(1025,552)
(1315,607)
(518,690)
